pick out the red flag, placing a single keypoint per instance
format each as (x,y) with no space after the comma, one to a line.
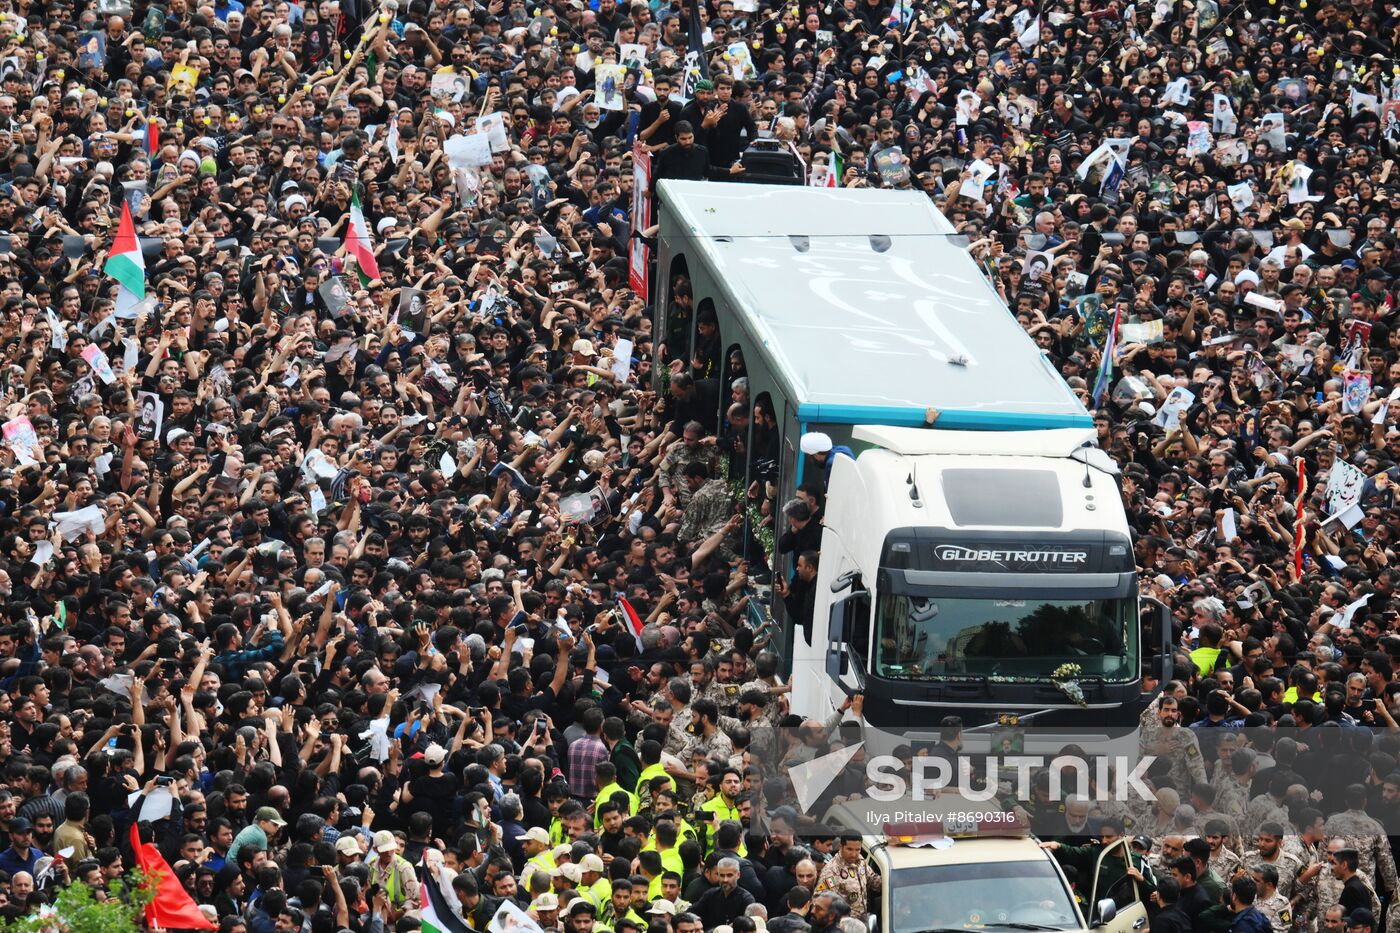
(152,138)
(173,908)
(1298,521)
(634,621)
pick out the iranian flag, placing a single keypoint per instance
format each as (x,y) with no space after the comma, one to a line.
(437,915)
(359,243)
(127,266)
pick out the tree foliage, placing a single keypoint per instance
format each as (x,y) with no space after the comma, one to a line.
(77,909)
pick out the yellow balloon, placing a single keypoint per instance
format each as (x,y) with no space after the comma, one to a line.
(554,30)
(1229,31)
(59,74)
(281,98)
(330,70)
(306,88)
(179,124)
(384,17)
(207,121)
(1302,4)
(1282,19)
(780,30)
(130,114)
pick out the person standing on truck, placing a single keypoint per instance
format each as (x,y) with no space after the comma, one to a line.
(849,875)
(819,447)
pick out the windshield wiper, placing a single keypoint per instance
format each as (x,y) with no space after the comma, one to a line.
(1025,926)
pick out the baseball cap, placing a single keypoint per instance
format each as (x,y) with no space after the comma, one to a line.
(584,347)
(269,814)
(546,901)
(384,841)
(591,862)
(435,754)
(567,871)
(662,906)
(349,844)
(534,834)
(21,824)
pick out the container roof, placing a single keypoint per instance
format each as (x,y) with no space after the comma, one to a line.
(866,300)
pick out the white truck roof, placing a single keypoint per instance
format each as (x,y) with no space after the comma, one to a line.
(868,303)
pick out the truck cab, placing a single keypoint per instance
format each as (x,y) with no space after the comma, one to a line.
(960,867)
(989,575)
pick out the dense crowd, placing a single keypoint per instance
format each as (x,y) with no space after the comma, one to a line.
(350,543)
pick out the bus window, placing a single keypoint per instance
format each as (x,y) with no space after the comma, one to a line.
(680,320)
(765,448)
(734,414)
(705,360)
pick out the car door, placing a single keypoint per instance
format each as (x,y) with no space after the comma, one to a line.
(1130,913)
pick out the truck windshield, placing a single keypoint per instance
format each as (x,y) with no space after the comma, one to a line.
(920,637)
(983,894)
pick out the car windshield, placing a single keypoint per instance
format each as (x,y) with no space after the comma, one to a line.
(982,894)
(922,636)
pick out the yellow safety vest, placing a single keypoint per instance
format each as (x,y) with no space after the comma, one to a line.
(544,862)
(651,773)
(605,795)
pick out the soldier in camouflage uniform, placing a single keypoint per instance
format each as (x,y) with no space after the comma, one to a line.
(1329,886)
(1223,860)
(1175,745)
(692,449)
(849,876)
(708,506)
(1267,807)
(703,685)
(1269,901)
(1364,833)
(1232,793)
(1269,851)
(1203,800)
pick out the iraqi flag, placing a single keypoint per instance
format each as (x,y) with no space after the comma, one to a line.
(172,908)
(630,619)
(359,243)
(127,266)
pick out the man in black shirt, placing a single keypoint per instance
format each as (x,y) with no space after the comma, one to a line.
(685,159)
(659,118)
(1193,900)
(1355,894)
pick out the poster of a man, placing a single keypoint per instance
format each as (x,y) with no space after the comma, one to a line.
(150,415)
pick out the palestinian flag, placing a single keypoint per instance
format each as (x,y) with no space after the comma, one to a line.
(127,266)
(630,619)
(359,242)
(437,915)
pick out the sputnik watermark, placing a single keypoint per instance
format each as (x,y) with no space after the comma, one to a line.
(888,779)
(1117,778)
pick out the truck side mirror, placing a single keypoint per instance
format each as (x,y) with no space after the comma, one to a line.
(1104,912)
